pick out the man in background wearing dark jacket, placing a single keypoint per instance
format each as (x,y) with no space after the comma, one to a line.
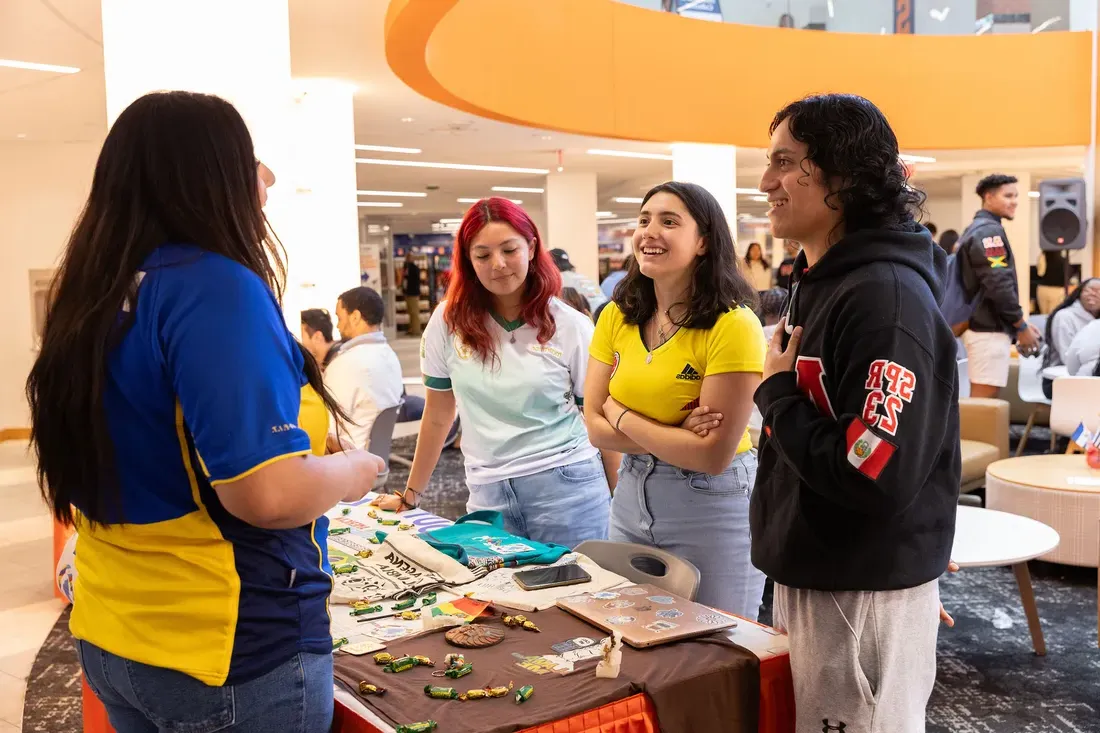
(989,269)
(853,513)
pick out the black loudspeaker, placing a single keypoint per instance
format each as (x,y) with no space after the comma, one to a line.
(1062,221)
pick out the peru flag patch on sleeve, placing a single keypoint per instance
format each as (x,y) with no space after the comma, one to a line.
(867,452)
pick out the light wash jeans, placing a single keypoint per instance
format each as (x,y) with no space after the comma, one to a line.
(565,505)
(703,519)
(295,697)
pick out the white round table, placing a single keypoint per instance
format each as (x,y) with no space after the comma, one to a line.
(988,538)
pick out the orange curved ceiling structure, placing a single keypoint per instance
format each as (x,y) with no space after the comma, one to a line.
(608,69)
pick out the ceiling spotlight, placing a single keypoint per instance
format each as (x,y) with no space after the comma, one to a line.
(628,199)
(381,204)
(452,166)
(629,154)
(387,149)
(748,192)
(517,202)
(1033,194)
(31,66)
(761,199)
(402,194)
(517,189)
(407,119)
(604,214)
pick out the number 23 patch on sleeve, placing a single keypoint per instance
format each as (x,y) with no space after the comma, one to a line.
(867,452)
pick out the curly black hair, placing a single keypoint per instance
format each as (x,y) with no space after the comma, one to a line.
(848,138)
(717,284)
(992,182)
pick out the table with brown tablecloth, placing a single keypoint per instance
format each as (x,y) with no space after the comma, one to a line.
(705,684)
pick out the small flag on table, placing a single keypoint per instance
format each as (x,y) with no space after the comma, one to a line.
(1081,436)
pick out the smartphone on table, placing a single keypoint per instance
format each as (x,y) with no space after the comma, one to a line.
(552,577)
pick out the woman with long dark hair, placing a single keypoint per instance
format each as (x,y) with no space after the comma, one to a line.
(511,358)
(1078,310)
(182,428)
(758,271)
(681,334)
(853,514)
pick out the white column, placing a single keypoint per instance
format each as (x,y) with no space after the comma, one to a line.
(240,50)
(1022,234)
(571,200)
(323,242)
(714,167)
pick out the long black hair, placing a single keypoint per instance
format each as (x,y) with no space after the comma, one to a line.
(849,139)
(175,167)
(717,284)
(763,259)
(1048,332)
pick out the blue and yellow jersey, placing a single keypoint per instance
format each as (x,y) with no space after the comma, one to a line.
(205,386)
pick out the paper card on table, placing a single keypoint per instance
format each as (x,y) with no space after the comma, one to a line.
(466,608)
(366,646)
(390,629)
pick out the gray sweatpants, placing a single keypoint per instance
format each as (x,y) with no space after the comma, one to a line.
(862,661)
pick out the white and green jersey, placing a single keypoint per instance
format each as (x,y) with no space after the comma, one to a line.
(520,415)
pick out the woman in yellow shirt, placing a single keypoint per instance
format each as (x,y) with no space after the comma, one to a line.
(681,334)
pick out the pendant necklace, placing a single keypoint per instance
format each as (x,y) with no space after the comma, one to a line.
(513,339)
(660,338)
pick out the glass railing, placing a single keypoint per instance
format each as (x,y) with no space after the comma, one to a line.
(931,17)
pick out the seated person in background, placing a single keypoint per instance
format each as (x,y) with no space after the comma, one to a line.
(949,240)
(365,376)
(576,301)
(1077,311)
(1083,354)
(583,284)
(607,287)
(317,336)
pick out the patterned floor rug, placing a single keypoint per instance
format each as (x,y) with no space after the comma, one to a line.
(989,679)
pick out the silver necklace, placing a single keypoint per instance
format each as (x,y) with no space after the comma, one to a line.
(660,338)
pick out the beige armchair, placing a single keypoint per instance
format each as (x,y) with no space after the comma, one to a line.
(983,427)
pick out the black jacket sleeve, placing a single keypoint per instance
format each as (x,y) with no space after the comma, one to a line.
(871,446)
(994,271)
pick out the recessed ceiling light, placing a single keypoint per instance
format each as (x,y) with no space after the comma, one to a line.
(387,149)
(517,202)
(21,136)
(628,199)
(547,137)
(450,221)
(748,192)
(407,119)
(630,154)
(915,158)
(629,222)
(517,189)
(452,166)
(31,66)
(381,204)
(604,214)
(1033,194)
(402,194)
(761,199)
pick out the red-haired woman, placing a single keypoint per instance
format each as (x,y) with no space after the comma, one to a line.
(512,358)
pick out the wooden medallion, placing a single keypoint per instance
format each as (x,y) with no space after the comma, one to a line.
(474,636)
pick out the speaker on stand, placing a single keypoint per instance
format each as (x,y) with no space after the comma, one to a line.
(1062,219)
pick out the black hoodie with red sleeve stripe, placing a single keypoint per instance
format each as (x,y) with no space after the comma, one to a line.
(860,462)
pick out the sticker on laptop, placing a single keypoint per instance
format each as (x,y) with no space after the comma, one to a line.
(618,604)
(633,591)
(605,595)
(659,626)
(712,619)
(670,613)
(620,620)
(644,608)
(663,600)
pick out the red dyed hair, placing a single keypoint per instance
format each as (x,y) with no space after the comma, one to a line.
(469,303)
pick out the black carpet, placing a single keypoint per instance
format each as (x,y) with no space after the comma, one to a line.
(989,678)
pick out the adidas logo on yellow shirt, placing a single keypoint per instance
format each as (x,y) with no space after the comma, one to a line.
(689,374)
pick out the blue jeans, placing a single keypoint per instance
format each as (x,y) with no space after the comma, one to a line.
(565,505)
(703,519)
(295,697)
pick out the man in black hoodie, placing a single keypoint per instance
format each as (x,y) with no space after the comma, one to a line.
(853,513)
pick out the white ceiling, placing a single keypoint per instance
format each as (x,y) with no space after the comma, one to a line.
(344,39)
